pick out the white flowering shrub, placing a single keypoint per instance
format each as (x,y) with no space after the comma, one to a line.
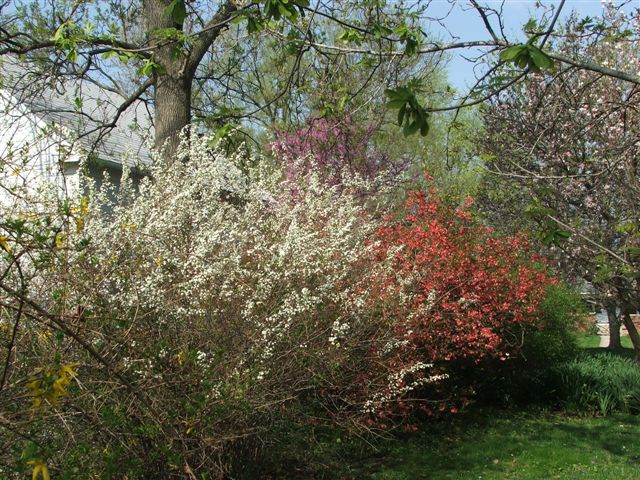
(194,316)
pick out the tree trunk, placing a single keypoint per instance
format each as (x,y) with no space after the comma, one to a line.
(178,64)
(614,327)
(173,112)
(631,328)
(172,80)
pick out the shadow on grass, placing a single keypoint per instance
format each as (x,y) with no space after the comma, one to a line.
(495,444)
(622,353)
(491,444)
(617,437)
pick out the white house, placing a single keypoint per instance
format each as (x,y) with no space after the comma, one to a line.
(51,129)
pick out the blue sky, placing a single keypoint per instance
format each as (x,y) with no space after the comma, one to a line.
(465,23)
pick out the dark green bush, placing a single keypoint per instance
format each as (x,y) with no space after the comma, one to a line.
(601,384)
(530,378)
(554,341)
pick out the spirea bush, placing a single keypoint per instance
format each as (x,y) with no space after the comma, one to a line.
(177,328)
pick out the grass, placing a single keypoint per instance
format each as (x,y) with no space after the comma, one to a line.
(593,341)
(494,445)
(484,444)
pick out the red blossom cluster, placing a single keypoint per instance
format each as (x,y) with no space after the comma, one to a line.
(452,291)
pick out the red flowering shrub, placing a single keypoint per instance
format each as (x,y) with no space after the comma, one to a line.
(451,292)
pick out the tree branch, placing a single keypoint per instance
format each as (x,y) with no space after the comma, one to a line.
(587,239)
(107,127)
(14,331)
(21,48)
(485,20)
(587,65)
(209,33)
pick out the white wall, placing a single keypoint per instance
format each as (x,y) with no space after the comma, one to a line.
(32,155)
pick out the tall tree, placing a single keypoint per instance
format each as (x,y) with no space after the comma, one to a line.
(166,41)
(569,142)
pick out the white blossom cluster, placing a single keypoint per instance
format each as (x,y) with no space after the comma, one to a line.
(217,251)
(339,330)
(399,385)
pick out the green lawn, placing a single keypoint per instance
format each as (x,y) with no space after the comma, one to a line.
(593,341)
(502,446)
(482,444)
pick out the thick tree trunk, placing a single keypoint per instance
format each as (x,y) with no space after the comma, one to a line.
(172,80)
(172,114)
(614,327)
(627,310)
(178,64)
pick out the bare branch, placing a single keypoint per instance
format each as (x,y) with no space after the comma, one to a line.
(209,33)
(553,24)
(593,67)
(485,20)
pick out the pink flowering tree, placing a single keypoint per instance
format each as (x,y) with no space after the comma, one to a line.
(334,147)
(569,143)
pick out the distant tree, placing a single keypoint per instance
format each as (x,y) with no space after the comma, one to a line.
(569,143)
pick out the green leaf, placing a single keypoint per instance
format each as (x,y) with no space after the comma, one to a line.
(254,25)
(411,128)
(109,54)
(627,227)
(424,129)
(284,11)
(350,36)
(271,9)
(400,93)
(510,54)
(342,102)
(176,10)
(401,113)
(523,60)
(392,94)
(411,46)
(396,103)
(72,55)
(60,33)
(531,25)
(410,113)
(539,58)
(554,235)
(221,133)
(146,69)
(238,19)
(381,31)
